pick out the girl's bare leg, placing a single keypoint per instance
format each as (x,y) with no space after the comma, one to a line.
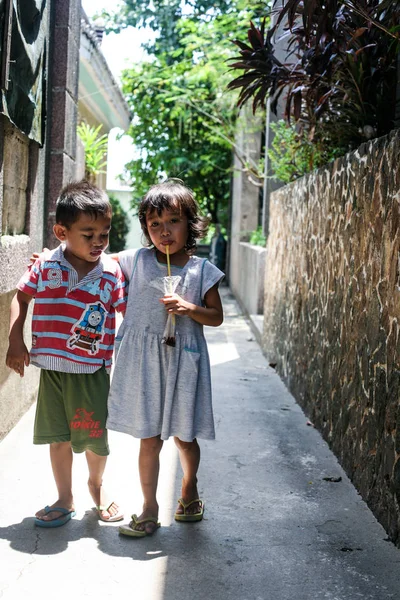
(96,465)
(149,467)
(61,463)
(189,455)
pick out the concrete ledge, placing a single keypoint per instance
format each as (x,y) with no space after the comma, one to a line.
(247,277)
(257,323)
(14,253)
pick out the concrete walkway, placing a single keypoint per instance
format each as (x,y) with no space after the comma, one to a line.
(273,529)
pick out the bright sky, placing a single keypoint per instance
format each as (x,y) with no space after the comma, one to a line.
(122,48)
(119,50)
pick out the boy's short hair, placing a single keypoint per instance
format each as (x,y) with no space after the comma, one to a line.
(81,197)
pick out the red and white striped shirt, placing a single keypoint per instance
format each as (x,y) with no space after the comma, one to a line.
(73,323)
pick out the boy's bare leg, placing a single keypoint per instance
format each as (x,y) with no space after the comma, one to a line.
(61,462)
(189,456)
(96,465)
(149,468)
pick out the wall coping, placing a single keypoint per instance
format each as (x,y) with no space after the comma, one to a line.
(358,153)
(254,247)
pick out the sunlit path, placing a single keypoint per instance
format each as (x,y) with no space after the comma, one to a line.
(273,528)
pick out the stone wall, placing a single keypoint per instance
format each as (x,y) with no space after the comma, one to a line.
(332,312)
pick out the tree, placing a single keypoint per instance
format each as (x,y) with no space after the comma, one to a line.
(163,17)
(173,139)
(184,118)
(119,225)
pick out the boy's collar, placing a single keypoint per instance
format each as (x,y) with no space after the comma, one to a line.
(106,263)
(58,255)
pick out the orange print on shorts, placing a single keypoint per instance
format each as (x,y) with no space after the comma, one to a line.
(83,420)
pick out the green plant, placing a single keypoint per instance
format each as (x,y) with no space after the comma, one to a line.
(257,238)
(211,232)
(95,146)
(340,72)
(293,154)
(119,225)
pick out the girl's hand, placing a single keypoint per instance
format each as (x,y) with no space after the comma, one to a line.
(211,314)
(176,305)
(36,255)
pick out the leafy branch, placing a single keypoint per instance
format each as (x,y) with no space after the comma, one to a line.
(95,146)
(340,72)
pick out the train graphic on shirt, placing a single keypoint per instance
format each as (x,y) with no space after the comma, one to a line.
(88,332)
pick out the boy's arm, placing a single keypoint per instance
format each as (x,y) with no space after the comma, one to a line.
(17,355)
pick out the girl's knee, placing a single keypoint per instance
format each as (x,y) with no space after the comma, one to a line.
(153,444)
(186,446)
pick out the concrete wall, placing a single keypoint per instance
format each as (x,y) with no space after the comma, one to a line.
(245,209)
(63,104)
(332,312)
(30,180)
(21,187)
(249,288)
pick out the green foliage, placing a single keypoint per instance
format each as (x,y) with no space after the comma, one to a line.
(340,72)
(95,146)
(211,232)
(292,154)
(166,18)
(257,238)
(119,225)
(173,138)
(184,124)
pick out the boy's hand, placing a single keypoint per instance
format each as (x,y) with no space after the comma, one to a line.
(175,304)
(17,357)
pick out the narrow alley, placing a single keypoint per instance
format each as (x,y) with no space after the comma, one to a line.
(274,527)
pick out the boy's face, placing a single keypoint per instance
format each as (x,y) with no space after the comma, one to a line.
(85,239)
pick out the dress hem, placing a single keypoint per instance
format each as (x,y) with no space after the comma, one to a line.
(140,436)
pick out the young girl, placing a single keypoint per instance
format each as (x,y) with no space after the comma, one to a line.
(160,390)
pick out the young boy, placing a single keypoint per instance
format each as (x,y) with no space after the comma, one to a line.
(77,289)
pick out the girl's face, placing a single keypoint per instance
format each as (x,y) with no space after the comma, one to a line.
(168,229)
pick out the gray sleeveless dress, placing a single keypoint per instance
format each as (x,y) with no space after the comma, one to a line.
(158,389)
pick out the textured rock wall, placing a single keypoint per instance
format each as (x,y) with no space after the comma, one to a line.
(332,312)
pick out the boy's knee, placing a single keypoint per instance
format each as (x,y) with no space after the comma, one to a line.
(60,445)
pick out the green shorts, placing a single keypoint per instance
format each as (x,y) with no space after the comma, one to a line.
(72,407)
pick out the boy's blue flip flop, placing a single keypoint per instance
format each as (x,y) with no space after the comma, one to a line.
(66,516)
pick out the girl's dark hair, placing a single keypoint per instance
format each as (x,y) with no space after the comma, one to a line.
(167,195)
(81,197)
